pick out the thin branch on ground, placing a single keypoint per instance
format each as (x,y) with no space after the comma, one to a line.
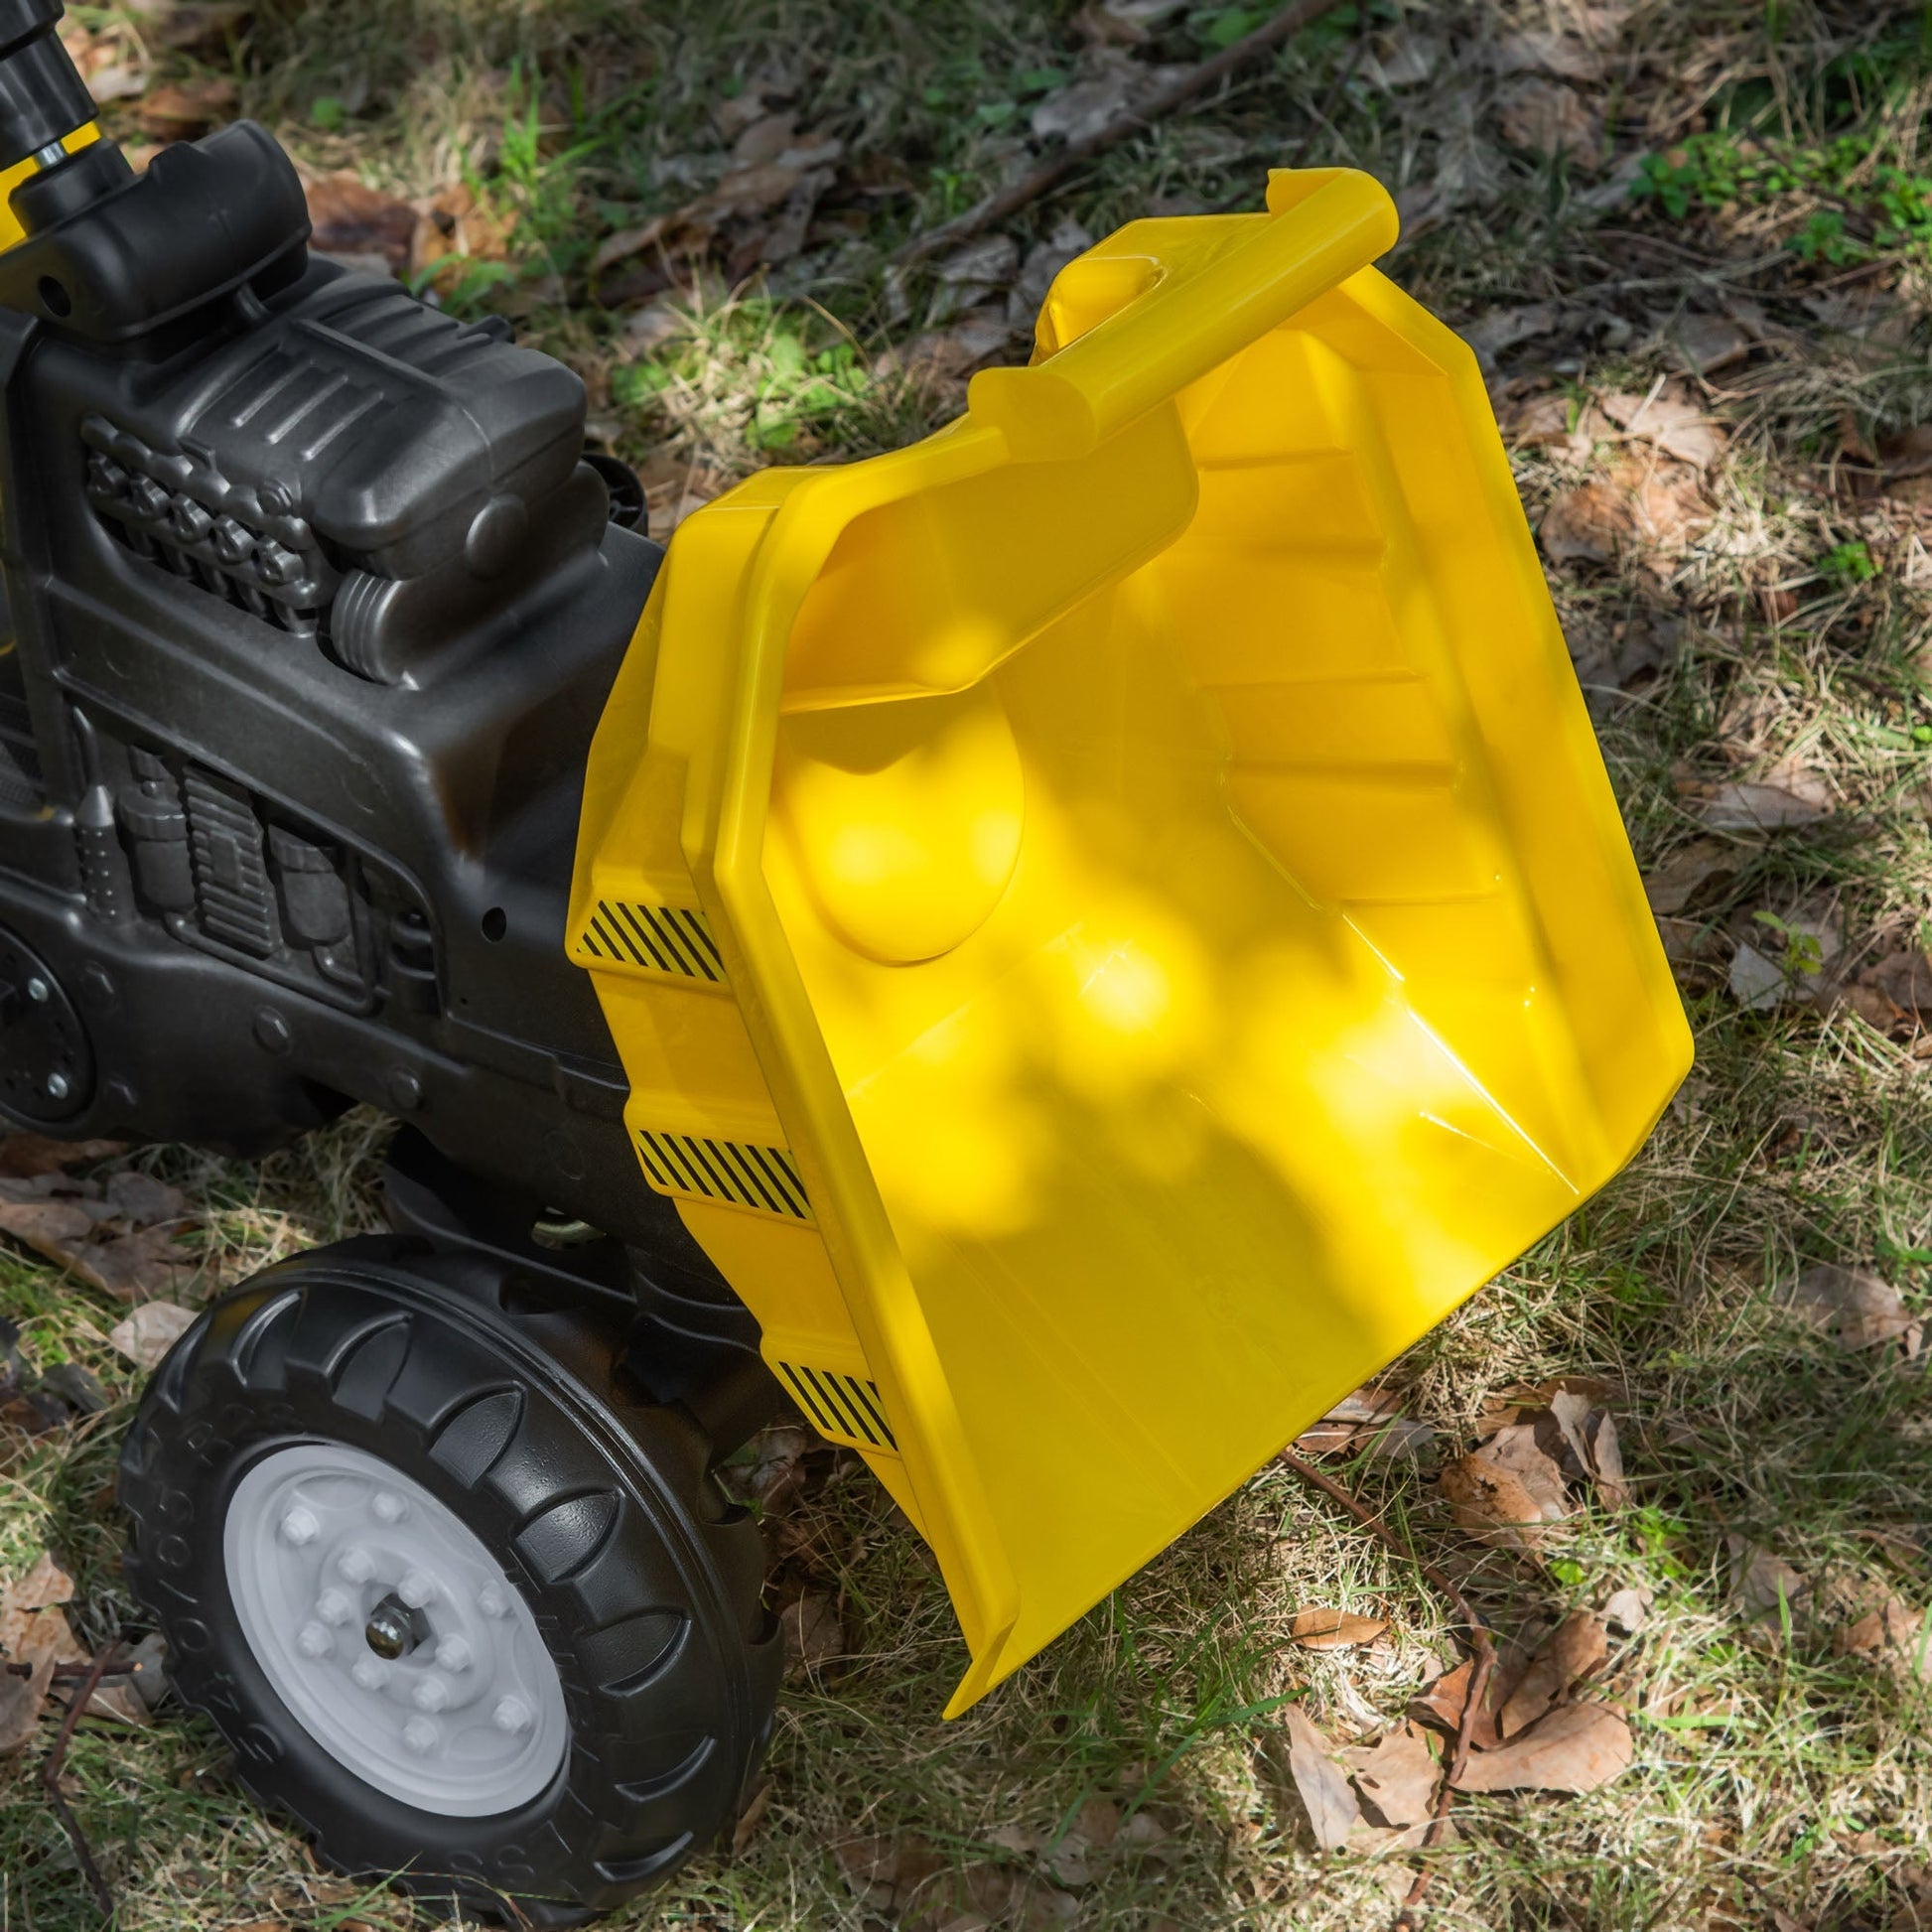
(1176,94)
(50,1781)
(1482,1650)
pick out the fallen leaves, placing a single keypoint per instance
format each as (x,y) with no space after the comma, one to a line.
(1335,1629)
(1397,1778)
(813,1634)
(758,211)
(1856,1308)
(1547,119)
(1514,1486)
(360,226)
(33,1631)
(1636,511)
(1576,1650)
(1323,1784)
(117,1234)
(1505,1498)
(1689,875)
(1576,1748)
(1786,796)
(1369,1422)
(1670,420)
(147,1334)
(1762,1580)
(182,112)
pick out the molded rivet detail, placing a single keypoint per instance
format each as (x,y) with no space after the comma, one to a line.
(356,1565)
(56,1087)
(432,1693)
(299,1526)
(492,1601)
(313,1640)
(454,1653)
(370,1672)
(511,1715)
(420,1736)
(389,1507)
(417,1590)
(36,990)
(334,1607)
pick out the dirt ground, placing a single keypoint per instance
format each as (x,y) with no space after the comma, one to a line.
(1690,245)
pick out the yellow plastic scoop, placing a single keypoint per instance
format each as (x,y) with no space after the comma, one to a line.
(1142,927)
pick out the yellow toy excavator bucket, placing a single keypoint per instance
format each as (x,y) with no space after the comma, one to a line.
(1114,917)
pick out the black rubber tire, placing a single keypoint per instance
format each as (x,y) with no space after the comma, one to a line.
(644,1579)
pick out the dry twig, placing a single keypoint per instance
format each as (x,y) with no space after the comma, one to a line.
(1480,1647)
(50,1781)
(1176,94)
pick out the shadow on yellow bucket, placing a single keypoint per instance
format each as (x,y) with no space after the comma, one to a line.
(1173,935)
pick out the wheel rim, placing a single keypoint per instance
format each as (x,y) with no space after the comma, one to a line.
(391,1633)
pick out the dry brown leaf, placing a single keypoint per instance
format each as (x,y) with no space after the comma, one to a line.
(1858,1309)
(1108,84)
(1323,1785)
(1397,1778)
(1335,1629)
(1536,421)
(1576,1748)
(1672,422)
(454,228)
(1903,979)
(1496,1505)
(947,355)
(1126,23)
(1570,55)
(1703,344)
(812,1633)
(1099,1822)
(1791,797)
(1443,1702)
(887,1872)
(22,1699)
(1761,1580)
(43,1588)
(181,111)
(768,202)
(1546,117)
(118,1238)
(1572,1652)
(1696,872)
(1497,329)
(1607,1460)
(1628,1611)
(1890,1626)
(23,1156)
(1587,525)
(359,224)
(147,1334)
(33,1627)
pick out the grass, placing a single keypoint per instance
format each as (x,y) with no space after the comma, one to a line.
(1760,160)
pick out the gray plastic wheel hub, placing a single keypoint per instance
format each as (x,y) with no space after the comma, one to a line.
(322,1544)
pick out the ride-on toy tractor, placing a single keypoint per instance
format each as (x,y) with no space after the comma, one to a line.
(1053,953)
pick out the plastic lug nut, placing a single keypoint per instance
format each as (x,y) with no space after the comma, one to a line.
(299,1526)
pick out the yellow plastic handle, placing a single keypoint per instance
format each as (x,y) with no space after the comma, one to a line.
(1191,316)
